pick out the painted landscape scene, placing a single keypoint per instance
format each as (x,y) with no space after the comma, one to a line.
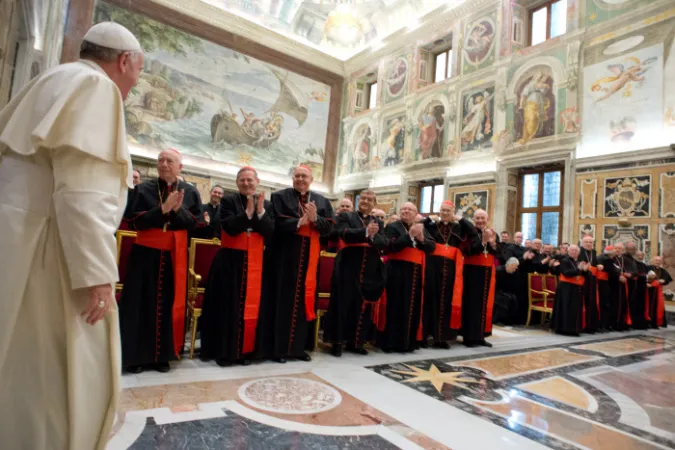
(210,102)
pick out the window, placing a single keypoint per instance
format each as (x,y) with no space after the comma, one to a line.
(548,21)
(372,95)
(540,205)
(442,62)
(431,197)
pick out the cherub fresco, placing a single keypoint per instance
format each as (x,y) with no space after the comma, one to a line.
(633,71)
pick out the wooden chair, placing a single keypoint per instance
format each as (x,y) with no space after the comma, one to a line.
(538,296)
(202,252)
(551,284)
(125,240)
(326,267)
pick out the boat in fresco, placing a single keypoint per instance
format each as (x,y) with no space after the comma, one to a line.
(261,132)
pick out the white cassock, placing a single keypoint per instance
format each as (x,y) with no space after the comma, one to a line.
(64,174)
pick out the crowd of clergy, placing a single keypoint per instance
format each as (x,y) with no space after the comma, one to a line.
(411,282)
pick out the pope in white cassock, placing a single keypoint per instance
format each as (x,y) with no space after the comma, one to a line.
(64,174)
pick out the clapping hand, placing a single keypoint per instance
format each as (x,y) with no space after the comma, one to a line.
(622,279)
(310,211)
(372,228)
(528,255)
(260,206)
(417,232)
(207,218)
(249,206)
(556,263)
(600,267)
(457,218)
(173,201)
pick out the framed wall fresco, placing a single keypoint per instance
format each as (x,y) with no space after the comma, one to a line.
(392,141)
(396,78)
(466,203)
(430,131)
(477,119)
(535,107)
(478,44)
(219,104)
(627,196)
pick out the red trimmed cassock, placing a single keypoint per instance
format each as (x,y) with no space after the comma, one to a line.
(619,294)
(568,318)
(289,293)
(637,291)
(657,312)
(591,305)
(400,322)
(479,290)
(443,285)
(153,302)
(233,292)
(358,282)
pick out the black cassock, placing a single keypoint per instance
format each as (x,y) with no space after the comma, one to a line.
(604,291)
(478,295)
(507,289)
(567,315)
(222,324)
(404,291)
(358,280)
(619,294)
(284,323)
(591,297)
(657,312)
(439,284)
(637,292)
(147,309)
(213,229)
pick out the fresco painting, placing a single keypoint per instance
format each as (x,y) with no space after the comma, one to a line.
(477,119)
(392,142)
(478,44)
(535,109)
(360,149)
(396,79)
(430,131)
(211,102)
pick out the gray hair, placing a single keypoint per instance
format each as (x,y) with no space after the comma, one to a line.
(97,52)
(512,260)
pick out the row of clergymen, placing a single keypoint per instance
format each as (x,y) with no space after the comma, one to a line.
(612,291)
(260,295)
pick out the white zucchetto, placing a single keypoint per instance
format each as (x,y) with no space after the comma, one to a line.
(113,35)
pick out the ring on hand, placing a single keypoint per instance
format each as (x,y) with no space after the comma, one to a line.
(101,304)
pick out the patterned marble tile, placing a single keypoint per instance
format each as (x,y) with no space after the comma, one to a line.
(623,347)
(564,391)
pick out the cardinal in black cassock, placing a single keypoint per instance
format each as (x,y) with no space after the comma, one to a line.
(591,307)
(400,321)
(507,290)
(568,317)
(231,307)
(358,278)
(606,267)
(661,278)
(153,302)
(479,282)
(637,290)
(619,289)
(301,216)
(444,284)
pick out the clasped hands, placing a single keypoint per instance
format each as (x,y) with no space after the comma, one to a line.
(417,232)
(255,206)
(173,202)
(310,214)
(372,229)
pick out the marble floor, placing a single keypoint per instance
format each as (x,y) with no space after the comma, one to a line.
(532,390)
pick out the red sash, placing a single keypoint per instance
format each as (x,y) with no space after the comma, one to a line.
(602,276)
(312,265)
(253,244)
(175,242)
(486,261)
(342,244)
(414,256)
(578,280)
(660,302)
(593,270)
(454,254)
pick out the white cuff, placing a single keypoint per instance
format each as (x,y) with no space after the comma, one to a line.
(260,216)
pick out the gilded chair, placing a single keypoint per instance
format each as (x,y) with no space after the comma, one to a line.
(326,266)
(202,252)
(125,240)
(538,296)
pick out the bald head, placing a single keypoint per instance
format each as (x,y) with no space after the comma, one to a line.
(408,211)
(480,218)
(345,205)
(587,243)
(169,165)
(573,251)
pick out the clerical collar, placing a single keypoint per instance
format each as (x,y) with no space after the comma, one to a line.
(163,183)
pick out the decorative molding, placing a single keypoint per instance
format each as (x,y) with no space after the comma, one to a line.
(667,195)
(614,159)
(589,198)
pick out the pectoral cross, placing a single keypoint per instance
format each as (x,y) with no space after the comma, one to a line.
(485,252)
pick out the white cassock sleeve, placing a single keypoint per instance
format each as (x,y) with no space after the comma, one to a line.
(86,200)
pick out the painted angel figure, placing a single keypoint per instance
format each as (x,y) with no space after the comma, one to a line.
(477,122)
(624,76)
(478,40)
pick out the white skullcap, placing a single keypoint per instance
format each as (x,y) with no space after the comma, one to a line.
(113,35)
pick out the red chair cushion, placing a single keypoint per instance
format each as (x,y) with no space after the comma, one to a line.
(540,304)
(204,254)
(551,283)
(125,250)
(536,282)
(323,303)
(326,265)
(199,299)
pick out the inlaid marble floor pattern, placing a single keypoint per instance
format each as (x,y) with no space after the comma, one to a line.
(532,390)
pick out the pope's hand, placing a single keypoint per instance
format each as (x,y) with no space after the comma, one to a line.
(100,301)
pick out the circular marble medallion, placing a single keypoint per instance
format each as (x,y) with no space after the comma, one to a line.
(286,395)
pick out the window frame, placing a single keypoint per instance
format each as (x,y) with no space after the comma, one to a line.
(448,68)
(540,209)
(433,185)
(549,8)
(369,91)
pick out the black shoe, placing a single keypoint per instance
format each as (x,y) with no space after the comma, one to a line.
(336,350)
(470,344)
(222,362)
(245,362)
(359,350)
(280,360)
(485,343)
(133,369)
(443,344)
(423,344)
(386,350)
(162,367)
(305,358)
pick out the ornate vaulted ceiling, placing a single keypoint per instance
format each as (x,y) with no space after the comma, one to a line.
(339,28)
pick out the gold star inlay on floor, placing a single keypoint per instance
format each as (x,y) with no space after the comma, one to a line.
(435,377)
